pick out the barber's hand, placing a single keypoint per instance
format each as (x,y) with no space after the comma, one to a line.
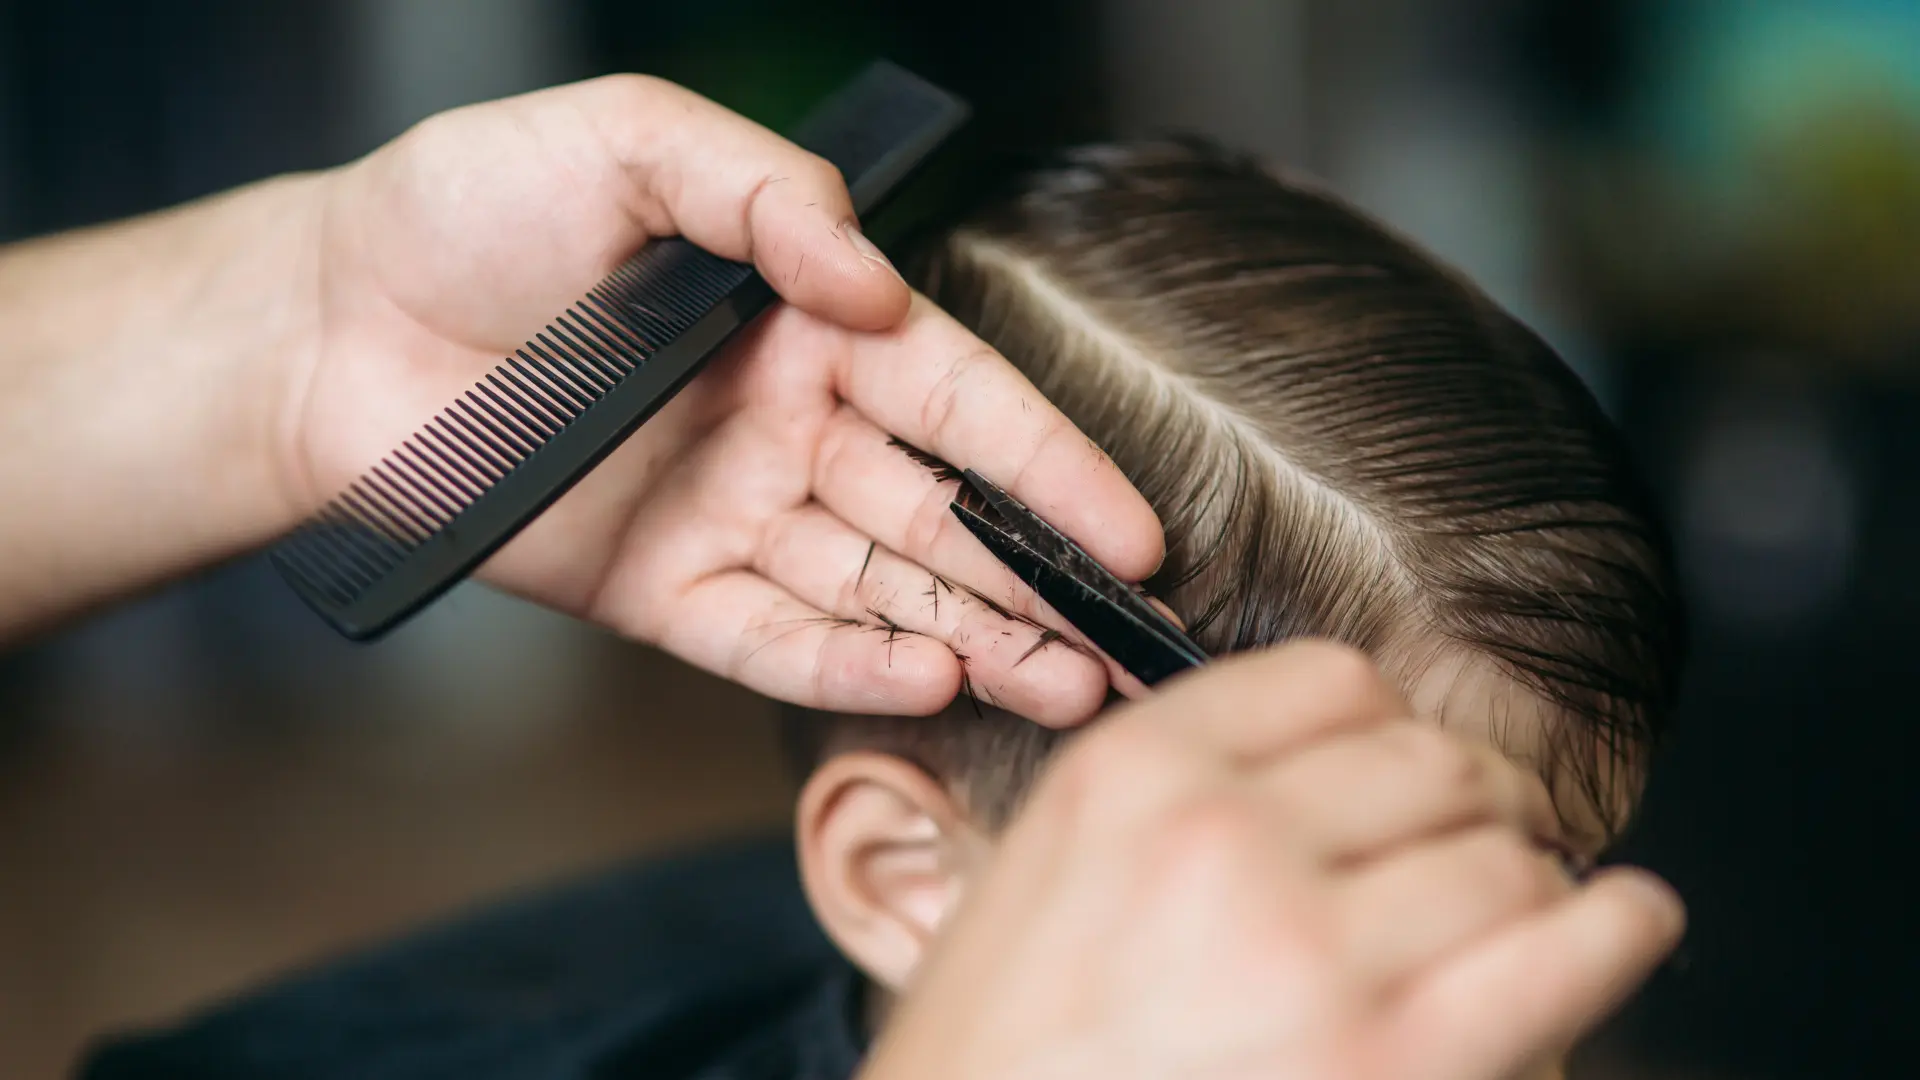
(1265,872)
(761,526)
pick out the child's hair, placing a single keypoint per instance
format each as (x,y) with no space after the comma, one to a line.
(1343,440)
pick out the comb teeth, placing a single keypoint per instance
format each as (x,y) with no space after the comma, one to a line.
(504,421)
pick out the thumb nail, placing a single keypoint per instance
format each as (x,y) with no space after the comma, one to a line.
(866,248)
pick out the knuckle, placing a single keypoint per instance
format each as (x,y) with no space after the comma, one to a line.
(1207,835)
(829,457)
(1443,759)
(632,90)
(937,413)
(833,670)
(856,589)
(847,443)
(1459,769)
(1074,784)
(929,519)
(635,82)
(776,541)
(1518,871)
(817,172)
(1055,430)
(1098,775)
(1110,751)
(1340,667)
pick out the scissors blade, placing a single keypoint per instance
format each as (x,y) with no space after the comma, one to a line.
(1105,610)
(1060,552)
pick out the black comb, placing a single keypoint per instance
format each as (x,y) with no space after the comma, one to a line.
(466,483)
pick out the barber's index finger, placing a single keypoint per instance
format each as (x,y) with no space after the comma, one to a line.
(935,385)
(1257,708)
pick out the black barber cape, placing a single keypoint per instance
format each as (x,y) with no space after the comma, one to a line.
(707,966)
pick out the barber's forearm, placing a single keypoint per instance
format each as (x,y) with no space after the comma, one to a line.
(142,368)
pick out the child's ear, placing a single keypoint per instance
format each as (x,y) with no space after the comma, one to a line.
(884,854)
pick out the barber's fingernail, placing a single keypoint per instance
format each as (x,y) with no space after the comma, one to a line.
(866,248)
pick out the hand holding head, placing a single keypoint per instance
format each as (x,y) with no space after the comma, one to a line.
(1162,907)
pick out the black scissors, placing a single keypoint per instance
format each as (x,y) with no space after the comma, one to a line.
(1111,614)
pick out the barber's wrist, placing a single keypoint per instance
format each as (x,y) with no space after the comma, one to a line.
(255,295)
(146,372)
(272,375)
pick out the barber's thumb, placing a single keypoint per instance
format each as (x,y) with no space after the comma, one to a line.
(826,264)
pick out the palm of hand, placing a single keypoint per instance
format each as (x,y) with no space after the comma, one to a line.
(435,266)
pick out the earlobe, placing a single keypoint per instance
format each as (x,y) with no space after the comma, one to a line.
(882,849)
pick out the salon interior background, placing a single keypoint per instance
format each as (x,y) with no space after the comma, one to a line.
(1713,208)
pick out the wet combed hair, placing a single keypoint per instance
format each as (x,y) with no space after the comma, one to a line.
(1343,439)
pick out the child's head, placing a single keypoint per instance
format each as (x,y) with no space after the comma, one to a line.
(1343,441)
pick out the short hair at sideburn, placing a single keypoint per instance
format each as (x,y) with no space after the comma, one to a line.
(1343,439)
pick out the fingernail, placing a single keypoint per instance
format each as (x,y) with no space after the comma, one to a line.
(866,248)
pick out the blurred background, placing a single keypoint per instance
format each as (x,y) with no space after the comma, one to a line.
(1712,208)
